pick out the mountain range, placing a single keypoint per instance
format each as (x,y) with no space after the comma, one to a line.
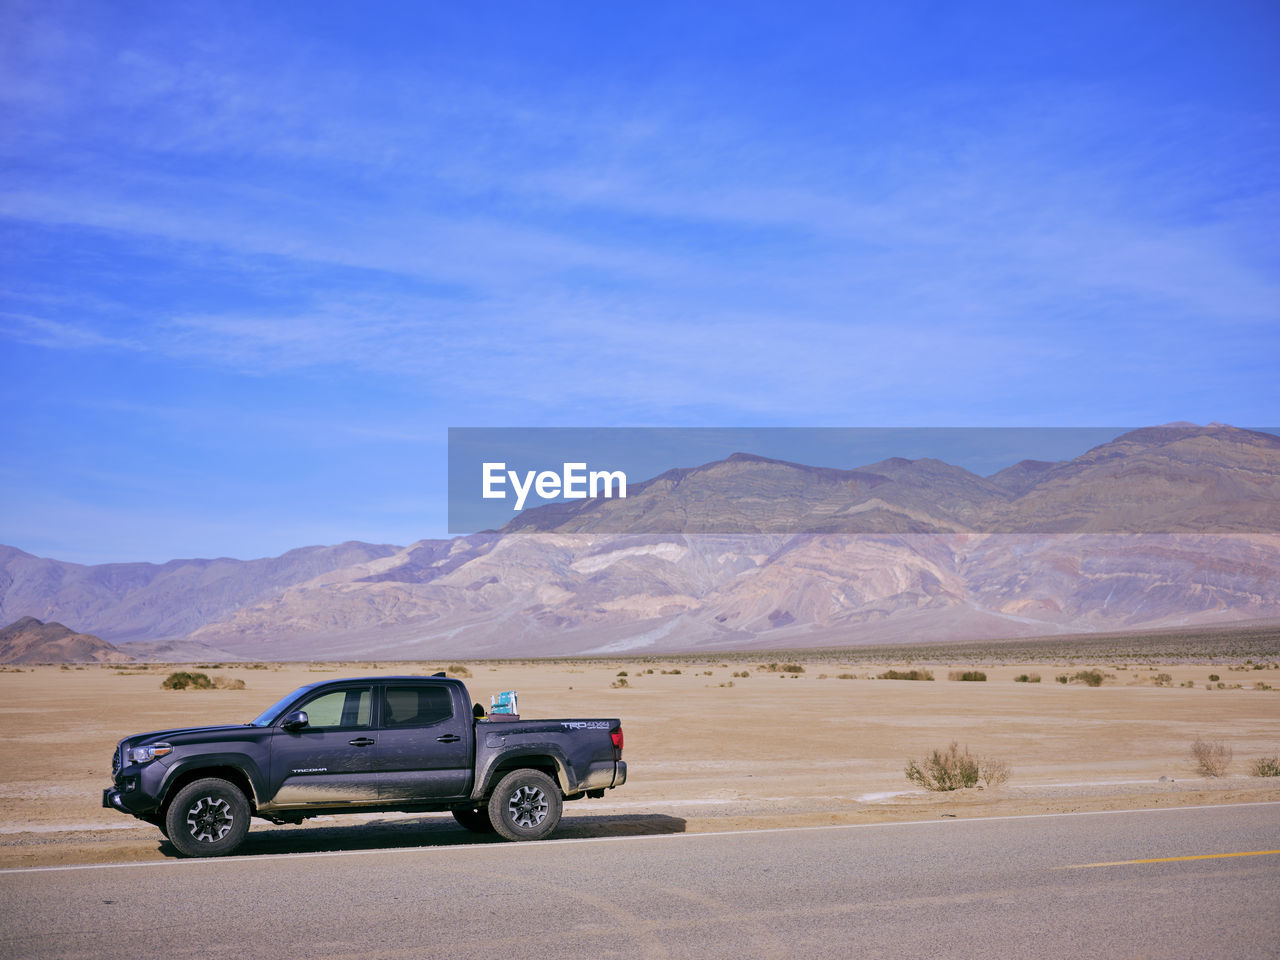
(1163,526)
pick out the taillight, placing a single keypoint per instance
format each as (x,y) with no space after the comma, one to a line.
(617,740)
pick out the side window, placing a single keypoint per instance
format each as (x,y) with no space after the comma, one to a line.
(417,705)
(340,709)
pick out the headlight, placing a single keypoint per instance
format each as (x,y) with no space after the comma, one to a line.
(147,754)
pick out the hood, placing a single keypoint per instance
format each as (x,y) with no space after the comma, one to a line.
(179,735)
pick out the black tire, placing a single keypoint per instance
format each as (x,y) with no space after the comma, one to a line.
(475,819)
(525,805)
(207,818)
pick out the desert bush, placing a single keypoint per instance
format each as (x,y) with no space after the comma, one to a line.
(1266,767)
(1214,677)
(1062,678)
(905,675)
(228,683)
(1090,678)
(741,674)
(620,682)
(622,673)
(1027,678)
(1212,757)
(459,670)
(845,676)
(948,769)
(1257,686)
(966,675)
(781,667)
(182,680)
(1163,679)
(994,772)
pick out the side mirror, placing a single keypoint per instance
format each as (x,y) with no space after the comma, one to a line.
(295,720)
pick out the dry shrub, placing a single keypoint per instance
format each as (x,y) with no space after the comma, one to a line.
(956,768)
(182,680)
(1266,767)
(949,769)
(905,675)
(776,667)
(966,675)
(459,670)
(1212,757)
(995,772)
(1027,678)
(228,683)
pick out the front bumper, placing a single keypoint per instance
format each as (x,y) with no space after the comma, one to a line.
(128,795)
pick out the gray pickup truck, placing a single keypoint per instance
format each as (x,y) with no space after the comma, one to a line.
(406,744)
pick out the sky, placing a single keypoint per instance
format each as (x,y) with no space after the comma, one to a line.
(256,259)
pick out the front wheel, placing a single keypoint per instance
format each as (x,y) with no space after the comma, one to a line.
(207,818)
(525,805)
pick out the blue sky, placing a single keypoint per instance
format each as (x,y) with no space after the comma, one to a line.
(255,259)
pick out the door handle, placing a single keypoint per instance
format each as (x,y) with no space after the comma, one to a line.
(448,738)
(361,742)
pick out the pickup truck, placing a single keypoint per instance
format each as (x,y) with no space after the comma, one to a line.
(372,744)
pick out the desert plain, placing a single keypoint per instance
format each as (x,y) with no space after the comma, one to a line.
(713,743)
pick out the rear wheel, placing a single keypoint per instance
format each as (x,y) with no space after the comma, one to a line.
(526,805)
(475,819)
(207,818)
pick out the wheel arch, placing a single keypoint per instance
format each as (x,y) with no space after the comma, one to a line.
(554,767)
(221,771)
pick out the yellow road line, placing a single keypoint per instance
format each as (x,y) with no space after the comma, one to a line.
(1202,856)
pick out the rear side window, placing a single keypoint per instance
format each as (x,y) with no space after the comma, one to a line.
(417,706)
(340,709)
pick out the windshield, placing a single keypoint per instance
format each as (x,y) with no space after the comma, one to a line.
(268,716)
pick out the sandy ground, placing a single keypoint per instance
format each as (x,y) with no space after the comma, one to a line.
(706,750)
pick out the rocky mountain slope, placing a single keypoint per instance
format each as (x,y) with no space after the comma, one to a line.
(935,553)
(30,641)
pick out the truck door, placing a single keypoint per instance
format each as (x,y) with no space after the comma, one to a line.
(331,761)
(424,744)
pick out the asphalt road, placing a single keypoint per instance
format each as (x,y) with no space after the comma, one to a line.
(1028,887)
